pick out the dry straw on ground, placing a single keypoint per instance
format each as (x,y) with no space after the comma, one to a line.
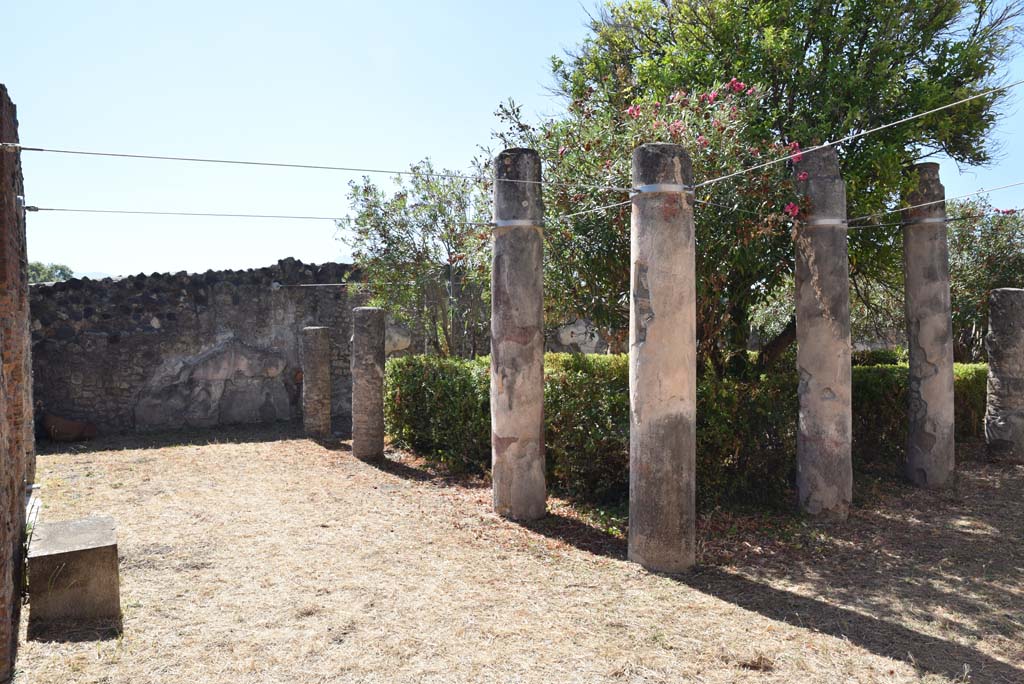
(259,559)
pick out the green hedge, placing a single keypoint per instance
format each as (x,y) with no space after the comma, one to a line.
(440,408)
(746,432)
(880,409)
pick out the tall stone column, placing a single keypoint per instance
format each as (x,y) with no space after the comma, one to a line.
(17,460)
(517,338)
(1004,412)
(316,381)
(662,361)
(931,446)
(824,467)
(368,324)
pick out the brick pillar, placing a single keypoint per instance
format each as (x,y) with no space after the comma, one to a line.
(662,361)
(368,325)
(1004,412)
(16,419)
(824,468)
(517,338)
(316,381)
(930,442)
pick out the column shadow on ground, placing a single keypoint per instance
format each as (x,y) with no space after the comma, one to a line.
(951,559)
(74,631)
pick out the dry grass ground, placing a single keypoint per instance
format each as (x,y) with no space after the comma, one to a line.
(263,558)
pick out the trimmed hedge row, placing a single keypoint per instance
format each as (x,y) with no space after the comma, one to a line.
(746,432)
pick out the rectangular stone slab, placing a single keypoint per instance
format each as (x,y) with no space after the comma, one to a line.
(72,569)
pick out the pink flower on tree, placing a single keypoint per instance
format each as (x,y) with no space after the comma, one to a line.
(802,176)
(702,141)
(709,97)
(736,85)
(797,154)
(633,111)
(792,209)
(676,127)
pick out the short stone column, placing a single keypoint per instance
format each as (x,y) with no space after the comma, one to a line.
(662,361)
(517,338)
(931,445)
(1004,412)
(824,467)
(368,326)
(316,381)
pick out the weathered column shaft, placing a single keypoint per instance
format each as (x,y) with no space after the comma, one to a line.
(517,338)
(824,467)
(17,444)
(662,361)
(931,449)
(1004,411)
(316,381)
(368,326)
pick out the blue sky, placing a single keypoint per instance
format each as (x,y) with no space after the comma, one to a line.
(341,83)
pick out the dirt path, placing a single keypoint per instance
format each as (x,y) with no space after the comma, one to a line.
(254,560)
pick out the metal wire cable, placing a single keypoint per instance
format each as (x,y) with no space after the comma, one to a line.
(856,135)
(186,213)
(928,204)
(590,211)
(291,165)
(338,219)
(433,174)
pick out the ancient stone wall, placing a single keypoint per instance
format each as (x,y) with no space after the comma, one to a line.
(188,350)
(16,437)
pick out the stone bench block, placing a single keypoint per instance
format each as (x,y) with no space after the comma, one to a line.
(72,571)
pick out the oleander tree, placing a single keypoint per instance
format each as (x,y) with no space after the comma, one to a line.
(813,71)
(738,229)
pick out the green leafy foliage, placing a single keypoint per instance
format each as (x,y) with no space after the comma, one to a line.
(440,407)
(828,69)
(746,431)
(586,417)
(743,232)
(880,416)
(986,251)
(38,272)
(423,254)
(880,357)
(814,71)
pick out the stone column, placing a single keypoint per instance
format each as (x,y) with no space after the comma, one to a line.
(316,381)
(824,468)
(1004,412)
(517,338)
(930,442)
(662,361)
(368,325)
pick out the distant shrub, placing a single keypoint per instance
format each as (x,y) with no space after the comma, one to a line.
(880,357)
